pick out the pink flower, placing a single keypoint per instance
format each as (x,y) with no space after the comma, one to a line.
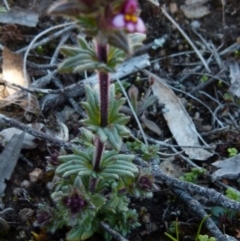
(130,6)
(128,18)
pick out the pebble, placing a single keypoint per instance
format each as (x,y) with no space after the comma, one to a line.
(25,184)
(17,191)
(50,186)
(195,24)
(36,175)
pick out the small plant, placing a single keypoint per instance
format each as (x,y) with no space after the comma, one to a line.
(205,238)
(204,79)
(146,152)
(199,237)
(233,194)
(95,183)
(228,97)
(118,90)
(223,216)
(174,228)
(232,152)
(193,175)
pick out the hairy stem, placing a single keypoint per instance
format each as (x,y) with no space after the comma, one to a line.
(93,183)
(98,154)
(96,162)
(104,82)
(102,51)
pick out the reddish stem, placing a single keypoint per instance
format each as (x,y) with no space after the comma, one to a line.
(98,154)
(104,83)
(104,98)
(93,184)
(96,162)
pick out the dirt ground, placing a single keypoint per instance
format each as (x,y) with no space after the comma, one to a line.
(214,28)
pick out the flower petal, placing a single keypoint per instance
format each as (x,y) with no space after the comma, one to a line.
(118,21)
(140,26)
(130,6)
(131,27)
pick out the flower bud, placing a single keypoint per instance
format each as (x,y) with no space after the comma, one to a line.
(75,202)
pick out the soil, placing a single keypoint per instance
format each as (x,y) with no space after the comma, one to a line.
(176,62)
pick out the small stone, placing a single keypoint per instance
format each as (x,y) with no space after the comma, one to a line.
(17,191)
(56,178)
(195,24)
(156,67)
(173,8)
(195,11)
(50,186)
(25,184)
(36,175)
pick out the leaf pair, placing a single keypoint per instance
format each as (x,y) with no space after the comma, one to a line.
(113,133)
(84,58)
(113,165)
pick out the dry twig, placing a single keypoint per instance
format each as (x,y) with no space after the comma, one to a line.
(117,236)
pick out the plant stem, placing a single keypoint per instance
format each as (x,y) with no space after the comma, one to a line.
(102,51)
(93,183)
(96,162)
(104,83)
(98,154)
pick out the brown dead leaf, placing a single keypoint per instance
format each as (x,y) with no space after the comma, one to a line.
(151,125)
(178,119)
(173,7)
(10,32)
(26,101)
(13,69)
(133,95)
(238,233)
(13,74)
